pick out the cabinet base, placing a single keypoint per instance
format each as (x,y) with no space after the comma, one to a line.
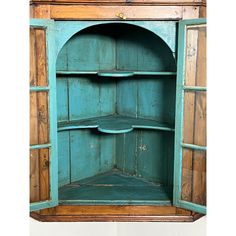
(115,214)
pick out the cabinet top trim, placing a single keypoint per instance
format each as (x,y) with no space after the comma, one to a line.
(123,2)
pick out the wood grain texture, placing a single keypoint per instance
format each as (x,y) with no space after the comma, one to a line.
(189,107)
(33,118)
(110,12)
(113,218)
(42,11)
(115,213)
(40,48)
(34,176)
(199,162)
(190,12)
(38,57)
(39,120)
(33,68)
(44,174)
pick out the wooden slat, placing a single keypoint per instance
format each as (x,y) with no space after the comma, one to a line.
(40,35)
(74,12)
(34,176)
(110,210)
(43,117)
(199,178)
(33,118)
(44,174)
(190,12)
(199,162)
(33,69)
(188,128)
(42,11)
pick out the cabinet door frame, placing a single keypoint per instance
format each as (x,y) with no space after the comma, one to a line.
(48,25)
(179,145)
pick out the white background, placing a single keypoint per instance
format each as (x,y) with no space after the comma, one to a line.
(14,134)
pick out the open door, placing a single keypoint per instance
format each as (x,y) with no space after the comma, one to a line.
(190,137)
(43,130)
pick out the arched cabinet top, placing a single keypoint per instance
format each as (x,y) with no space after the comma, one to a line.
(66,29)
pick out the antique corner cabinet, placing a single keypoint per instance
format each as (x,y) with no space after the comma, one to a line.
(117,110)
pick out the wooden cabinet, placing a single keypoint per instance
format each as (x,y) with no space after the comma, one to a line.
(117,110)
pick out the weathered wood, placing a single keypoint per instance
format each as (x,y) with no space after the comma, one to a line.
(110,12)
(203,12)
(199,161)
(115,213)
(110,210)
(115,188)
(44,174)
(40,48)
(33,118)
(116,218)
(34,176)
(189,106)
(190,12)
(42,11)
(43,117)
(33,69)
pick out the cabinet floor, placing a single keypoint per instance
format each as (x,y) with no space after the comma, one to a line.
(114,188)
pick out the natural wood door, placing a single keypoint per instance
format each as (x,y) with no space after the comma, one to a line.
(190,141)
(43,158)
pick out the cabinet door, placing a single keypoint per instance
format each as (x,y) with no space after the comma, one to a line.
(190,137)
(43,129)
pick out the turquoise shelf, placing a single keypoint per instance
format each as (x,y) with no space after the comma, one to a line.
(115,124)
(115,73)
(113,188)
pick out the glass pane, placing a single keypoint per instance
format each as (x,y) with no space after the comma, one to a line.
(194,176)
(39,118)
(195,71)
(194,126)
(39,175)
(38,57)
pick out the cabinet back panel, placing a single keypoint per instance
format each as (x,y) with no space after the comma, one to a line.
(146,154)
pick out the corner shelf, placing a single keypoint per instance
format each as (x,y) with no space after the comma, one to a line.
(115,124)
(115,73)
(113,188)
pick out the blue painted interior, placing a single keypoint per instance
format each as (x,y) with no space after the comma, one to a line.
(141,153)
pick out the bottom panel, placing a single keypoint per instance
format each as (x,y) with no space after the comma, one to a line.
(115,213)
(114,188)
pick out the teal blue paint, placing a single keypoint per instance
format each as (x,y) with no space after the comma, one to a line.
(165,30)
(115,124)
(38,89)
(62,100)
(114,73)
(42,205)
(51,59)
(195,88)
(193,207)
(194,147)
(40,146)
(179,116)
(127,97)
(87,102)
(114,188)
(64,168)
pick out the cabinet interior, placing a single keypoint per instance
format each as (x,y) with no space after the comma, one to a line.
(116,86)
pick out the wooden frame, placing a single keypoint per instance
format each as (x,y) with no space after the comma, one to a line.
(65,213)
(52,145)
(179,145)
(107,10)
